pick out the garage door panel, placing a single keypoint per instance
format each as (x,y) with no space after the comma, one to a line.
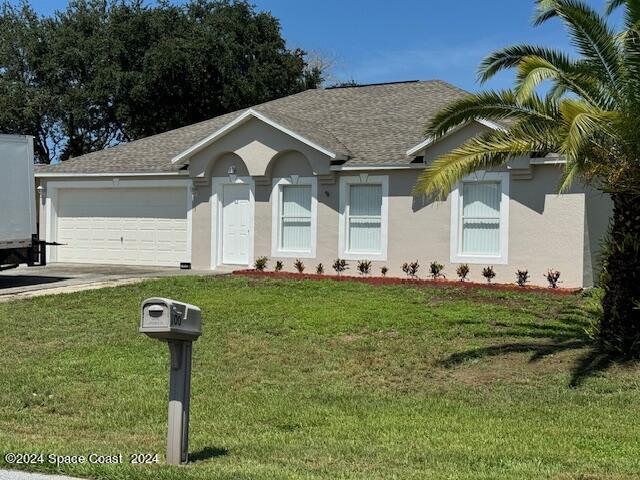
(142,226)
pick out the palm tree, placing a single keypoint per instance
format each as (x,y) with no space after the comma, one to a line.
(590,115)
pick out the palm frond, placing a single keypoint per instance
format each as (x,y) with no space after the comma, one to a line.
(582,122)
(532,71)
(613,5)
(632,10)
(480,153)
(511,57)
(632,61)
(571,171)
(494,105)
(590,33)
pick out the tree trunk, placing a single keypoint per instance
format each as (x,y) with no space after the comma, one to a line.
(620,324)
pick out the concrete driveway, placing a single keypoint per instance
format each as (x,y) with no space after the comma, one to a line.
(25,282)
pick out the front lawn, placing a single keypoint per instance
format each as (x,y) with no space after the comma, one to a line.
(319,379)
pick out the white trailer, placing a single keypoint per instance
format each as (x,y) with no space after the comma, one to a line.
(18,228)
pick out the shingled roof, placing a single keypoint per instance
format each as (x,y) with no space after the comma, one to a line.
(373,124)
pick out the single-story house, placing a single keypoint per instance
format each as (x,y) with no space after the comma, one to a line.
(320,175)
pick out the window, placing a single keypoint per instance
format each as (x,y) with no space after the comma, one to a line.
(295,218)
(294,213)
(365,218)
(363,228)
(479,219)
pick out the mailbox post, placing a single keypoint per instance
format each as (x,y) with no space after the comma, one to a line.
(178,324)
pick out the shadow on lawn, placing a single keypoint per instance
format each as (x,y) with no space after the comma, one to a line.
(570,335)
(207,453)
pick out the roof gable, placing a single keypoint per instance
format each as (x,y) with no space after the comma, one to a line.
(312,135)
(429,141)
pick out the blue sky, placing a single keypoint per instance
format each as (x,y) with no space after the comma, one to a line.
(382,41)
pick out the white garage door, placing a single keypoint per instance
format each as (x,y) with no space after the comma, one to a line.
(127,226)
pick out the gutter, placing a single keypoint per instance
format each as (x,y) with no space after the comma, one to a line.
(114,174)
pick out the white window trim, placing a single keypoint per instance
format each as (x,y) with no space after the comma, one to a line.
(276,202)
(217,184)
(456,224)
(51,204)
(343,234)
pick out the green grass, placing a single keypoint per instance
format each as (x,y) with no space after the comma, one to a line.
(317,379)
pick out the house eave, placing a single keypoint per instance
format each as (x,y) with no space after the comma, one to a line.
(377,166)
(109,174)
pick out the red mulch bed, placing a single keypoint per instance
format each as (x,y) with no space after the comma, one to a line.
(410,281)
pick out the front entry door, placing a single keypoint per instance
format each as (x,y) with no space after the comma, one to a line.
(235,224)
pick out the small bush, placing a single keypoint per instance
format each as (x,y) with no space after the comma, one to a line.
(261,263)
(435,269)
(364,267)
(553,277)
(488,273)
(320,269)
(411,269)
(279,265)
(299,266)
(340,265)
(462,271)
(522,277)
(384,271)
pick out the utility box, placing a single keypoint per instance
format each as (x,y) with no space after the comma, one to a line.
(178,324)
(167,319)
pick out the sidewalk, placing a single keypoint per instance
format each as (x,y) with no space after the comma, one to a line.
(18,475)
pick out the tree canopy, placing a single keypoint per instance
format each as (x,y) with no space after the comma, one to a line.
(103,72)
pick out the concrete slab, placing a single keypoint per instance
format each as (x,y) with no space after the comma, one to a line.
(18,475)
(25,282)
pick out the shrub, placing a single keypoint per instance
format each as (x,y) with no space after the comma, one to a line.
(261,263)
(364,267)
(299,266)
(552,277)
(340,265)
(435,269)
(320,269)
(522,277)
(411,269)
(488,273)
(384,271)
(462,271)
(279,266)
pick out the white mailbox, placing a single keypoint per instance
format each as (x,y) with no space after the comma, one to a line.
(170,320)
(178,324)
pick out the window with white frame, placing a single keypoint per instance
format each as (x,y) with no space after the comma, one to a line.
(294,217)
(479,217)
(363,232)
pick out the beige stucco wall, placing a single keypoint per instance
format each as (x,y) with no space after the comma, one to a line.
(598,209)
(546,230)
(256,144)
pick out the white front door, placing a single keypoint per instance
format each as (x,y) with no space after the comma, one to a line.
(235,224)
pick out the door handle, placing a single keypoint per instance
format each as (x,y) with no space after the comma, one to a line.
(121,239)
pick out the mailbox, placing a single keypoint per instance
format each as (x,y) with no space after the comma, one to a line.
(178,324)
(167,319)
